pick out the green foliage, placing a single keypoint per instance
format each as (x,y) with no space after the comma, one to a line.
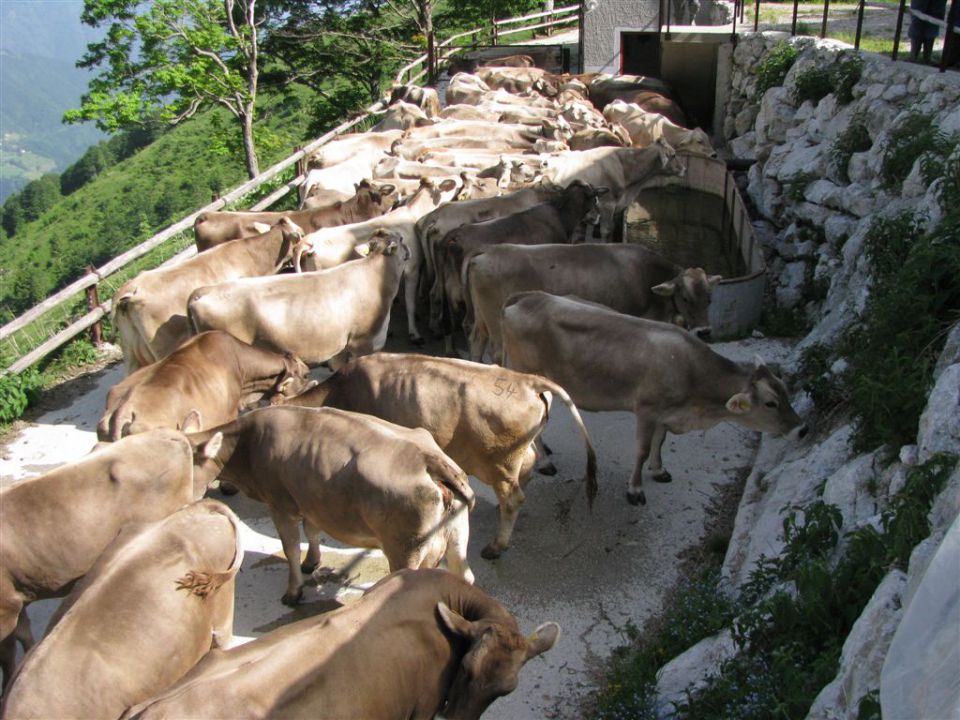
(914,300)
(812,83)
(17,392)
(777,321)
(772,70)
(698,610)
(854,139)
(828,391)
(30,203)
(846,73)
(796,185)
(913,137)
(944,165)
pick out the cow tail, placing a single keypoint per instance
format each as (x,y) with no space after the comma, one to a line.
(200,582)
(590,478)
(450,477)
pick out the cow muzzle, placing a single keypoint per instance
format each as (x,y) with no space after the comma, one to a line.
(704,332)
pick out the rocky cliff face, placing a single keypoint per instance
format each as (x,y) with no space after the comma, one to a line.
(817,193)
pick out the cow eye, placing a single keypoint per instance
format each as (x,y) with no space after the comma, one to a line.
(771,404)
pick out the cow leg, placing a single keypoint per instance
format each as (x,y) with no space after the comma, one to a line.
(645,432)
(312,561)
(411,279)
(478,338)
(458,533)
(288,528)
(655,465)
(511,498)
(14,626)
(542,451)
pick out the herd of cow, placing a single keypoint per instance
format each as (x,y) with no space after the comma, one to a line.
(484,205)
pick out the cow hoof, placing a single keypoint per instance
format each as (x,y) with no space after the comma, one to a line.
(308,568)
(228,489)
(417,340)
(292,600)
(662,477)
(636,498)
(548,469)
(491,552)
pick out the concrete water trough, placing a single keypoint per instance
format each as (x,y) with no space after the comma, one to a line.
(700,220)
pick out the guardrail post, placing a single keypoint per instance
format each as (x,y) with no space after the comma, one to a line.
(793,23)
(93,302)
(826,11)
(856,40)
(756,17)
(493,34)
(299,167)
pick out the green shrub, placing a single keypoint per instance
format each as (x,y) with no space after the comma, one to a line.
(777,321)
(945,165)
(845,74)
(828,392)
(18,392)
(912,138)
(914,300)
(812,83)
(854,139)
(795,186)
(772,70)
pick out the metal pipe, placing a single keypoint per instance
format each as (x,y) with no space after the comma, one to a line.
(756,17)
(793,24)
(856,42)
(826,11)
(950,38)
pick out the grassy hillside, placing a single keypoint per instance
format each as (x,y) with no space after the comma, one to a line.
(130,201)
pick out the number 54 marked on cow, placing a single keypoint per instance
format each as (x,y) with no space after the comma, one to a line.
(503,387)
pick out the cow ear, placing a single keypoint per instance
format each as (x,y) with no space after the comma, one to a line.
(455,623)
(211,447)
(191,422)
(282,387)
(448,185)
(261,227)
(665,289)
(388,189)
(739,404)
(542,639)
(603,190)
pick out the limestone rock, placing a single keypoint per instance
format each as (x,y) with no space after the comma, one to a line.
(690,670)
(864,650)
(857,200)
(775,116)
(940,422)
(792,281)
(950,353)
(849,488)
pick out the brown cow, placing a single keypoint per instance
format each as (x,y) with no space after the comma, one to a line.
(420,644)
(215,228)
(361,480)
(326,316)
(138,479)
(553,221)
(484,417)
(213,375)
(149,609)
(149,311)
(425,98)
(670,379)
(627,278)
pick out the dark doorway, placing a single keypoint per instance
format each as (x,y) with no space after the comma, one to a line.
(640,53)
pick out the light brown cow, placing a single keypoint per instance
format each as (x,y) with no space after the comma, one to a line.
(402,116)
(361,480)
(466,89)
(149,311)
(138,479)
(623,170)
(149,609)
(210,378)
(425,98)
(326,316)
(510,61)
(420,644)
(627,278)
(517,80)
(645,128)
(670,379)
(484,417)
(216,228)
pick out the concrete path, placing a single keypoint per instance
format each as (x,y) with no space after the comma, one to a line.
(590,572)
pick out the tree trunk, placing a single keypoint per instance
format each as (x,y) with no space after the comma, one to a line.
(249,147)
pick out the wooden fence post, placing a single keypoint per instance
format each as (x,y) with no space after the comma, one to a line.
(431,59)
(899,30)
(856,40)
(299,167)
(493,34)
(93,302)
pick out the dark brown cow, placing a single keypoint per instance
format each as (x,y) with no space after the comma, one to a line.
(149,609)
(360,479)
(213,375)
(627,278)
(420,644)
(671,380)
(215,228)
(484,417)
(56,525)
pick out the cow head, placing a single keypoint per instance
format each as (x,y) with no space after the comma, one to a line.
(206,463)
(384,242)
(491,666)
(293,380)
(583,201)
(763,404)
(670,162)
(690,293)
(294,245)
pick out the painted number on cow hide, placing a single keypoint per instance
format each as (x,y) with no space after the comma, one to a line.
(503,387)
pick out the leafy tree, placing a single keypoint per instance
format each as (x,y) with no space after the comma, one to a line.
(167,59)
(37,197)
